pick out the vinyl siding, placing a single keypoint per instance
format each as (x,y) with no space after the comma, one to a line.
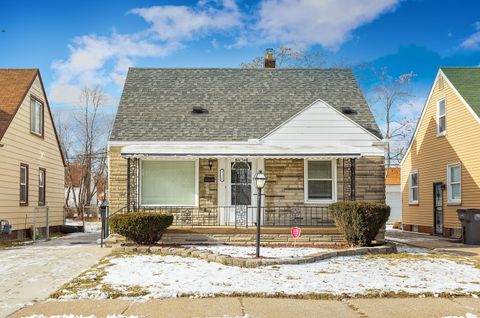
(430,155)
(20,146)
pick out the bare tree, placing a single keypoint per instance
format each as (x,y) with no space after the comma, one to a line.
(84,142)
(389,94)
(287,57)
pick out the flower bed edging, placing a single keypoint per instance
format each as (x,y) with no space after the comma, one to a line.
(253,262)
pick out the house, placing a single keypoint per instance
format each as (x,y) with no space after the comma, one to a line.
(393,194)
(440,170)
(74,176)
(31,160)
(189,142)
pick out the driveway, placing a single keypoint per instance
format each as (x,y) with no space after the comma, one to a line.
(433,242)
(31,273)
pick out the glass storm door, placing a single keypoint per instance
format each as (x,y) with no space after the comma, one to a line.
(240,192)
(438,207)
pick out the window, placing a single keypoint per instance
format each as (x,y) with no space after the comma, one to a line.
(41,186)
(23,184)
(320,183)
(171,183)
(454,183)
(413,187)
(36,117)
(441,118)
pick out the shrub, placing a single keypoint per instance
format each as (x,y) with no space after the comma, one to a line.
(141,227)
(360,221)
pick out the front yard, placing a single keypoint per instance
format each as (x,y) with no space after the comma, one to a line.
(150,276)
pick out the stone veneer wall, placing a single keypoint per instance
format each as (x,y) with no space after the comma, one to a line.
(208,190)
(285,181)
(117,183)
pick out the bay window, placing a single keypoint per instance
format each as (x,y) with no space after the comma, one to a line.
(169,183)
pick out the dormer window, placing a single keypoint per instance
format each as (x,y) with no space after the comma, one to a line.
(441,118)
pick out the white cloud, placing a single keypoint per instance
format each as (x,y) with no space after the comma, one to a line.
(178,23)
(309,22)
(104,60)
(473,41)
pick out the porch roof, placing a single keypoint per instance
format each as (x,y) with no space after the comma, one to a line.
(205,150)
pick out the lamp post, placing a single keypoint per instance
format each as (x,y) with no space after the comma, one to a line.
(260,180)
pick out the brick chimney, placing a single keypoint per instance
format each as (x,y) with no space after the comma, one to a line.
(269,61)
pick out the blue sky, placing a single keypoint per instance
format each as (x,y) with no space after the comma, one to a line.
(85,43)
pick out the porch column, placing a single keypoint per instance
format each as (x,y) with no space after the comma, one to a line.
(349,179)
(132,184)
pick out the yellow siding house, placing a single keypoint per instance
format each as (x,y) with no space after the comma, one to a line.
(31,161)
(441,169)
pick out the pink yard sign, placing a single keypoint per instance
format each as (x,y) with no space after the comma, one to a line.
(296,231)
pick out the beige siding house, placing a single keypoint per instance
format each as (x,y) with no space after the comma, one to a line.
(441,169)
(31,162)
(189,142)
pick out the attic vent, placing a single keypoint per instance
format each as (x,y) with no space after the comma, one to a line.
(199,110)
(348,111)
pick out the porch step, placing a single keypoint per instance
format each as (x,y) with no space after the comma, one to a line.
(190,238)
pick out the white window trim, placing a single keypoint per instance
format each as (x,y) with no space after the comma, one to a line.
(443,133)
(197,183)
(410,187)
(334,183)
(450,200)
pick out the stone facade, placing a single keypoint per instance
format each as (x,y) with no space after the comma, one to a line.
(285,186)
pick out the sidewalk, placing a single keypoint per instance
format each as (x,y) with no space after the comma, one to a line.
(31,273)
(433,242)
(262,307)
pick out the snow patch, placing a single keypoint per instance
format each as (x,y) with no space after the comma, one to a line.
(249,251)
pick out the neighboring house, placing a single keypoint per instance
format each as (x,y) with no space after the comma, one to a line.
(189,141)
(441,169)
(393,194)
(72,187)
(31,160)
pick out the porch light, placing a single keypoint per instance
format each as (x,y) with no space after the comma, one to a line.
(260,179)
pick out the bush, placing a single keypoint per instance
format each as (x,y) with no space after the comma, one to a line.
(141,227)
(360,221)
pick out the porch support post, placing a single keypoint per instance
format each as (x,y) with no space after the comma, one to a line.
(352,179)
(128,184)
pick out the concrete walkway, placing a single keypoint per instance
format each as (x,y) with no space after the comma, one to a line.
(433,242)
(31,273)
(262,307)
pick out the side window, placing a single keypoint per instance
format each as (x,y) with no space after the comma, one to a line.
(41,186)
(23,184)
(441,118)
(454,183)
(413,187)
(36,117)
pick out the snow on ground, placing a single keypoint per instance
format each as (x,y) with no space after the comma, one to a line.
(249,251)
(90,227)
(172,276)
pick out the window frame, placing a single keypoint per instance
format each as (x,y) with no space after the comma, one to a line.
(410,187)
(197,183)
(26,184)
(44,171)
(42,119)
(333,179)
(441,133)
(451,200)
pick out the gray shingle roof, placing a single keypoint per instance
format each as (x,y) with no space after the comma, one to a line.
(156,104)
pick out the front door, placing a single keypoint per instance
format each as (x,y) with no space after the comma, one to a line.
(438,207)
(240,192)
